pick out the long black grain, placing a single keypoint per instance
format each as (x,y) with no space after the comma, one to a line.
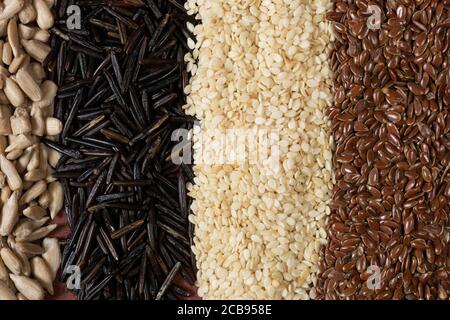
(121,80)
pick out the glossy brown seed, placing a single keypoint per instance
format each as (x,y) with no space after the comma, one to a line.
(419,244)
(390,123)
(426,174)
(409,224)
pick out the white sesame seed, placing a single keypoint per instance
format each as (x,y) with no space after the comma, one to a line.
(259,225)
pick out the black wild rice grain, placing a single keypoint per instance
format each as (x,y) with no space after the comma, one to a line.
(121,80)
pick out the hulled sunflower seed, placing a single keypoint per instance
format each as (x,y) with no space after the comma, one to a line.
(3,144)
(20,142)
(26,267)
(35,175)
(10,171)
(41,232)
(4,274)
(42,273)
(13,37)
(43,157)
(49,90)
(25,32)
(34,212)
(14,93)
(28,85)
(53,157)
(53,126)
(57,198)
(26,226)
(37,72)
(50,177)
(3,26)
(11,260)
(44,18)
(37,121)
(36,49)
(34,192)
(6,293)
(28,248)
(28,13)
(5,193)
(10,215)
(20,60)
(41,35)
(52,254)
(5,116)
(11,8)
(20,121)
(7,54)
(14,155)
(23,229)
(2,180)
(22,162)
(44,200)
(34,161)
(30,288)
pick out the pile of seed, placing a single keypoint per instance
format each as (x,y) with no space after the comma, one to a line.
(30,196)
(391,125)
(121,79)
(261,65)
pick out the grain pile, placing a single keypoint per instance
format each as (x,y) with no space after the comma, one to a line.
(121,79)
(389,226)
(261,64)
(30,196)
